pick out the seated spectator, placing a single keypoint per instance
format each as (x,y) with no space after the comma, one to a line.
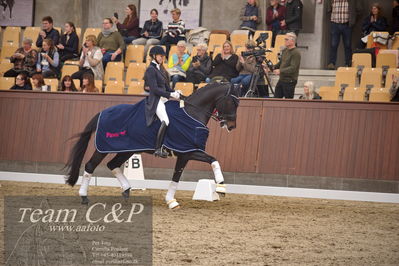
(175,31)
(275,19)
(250,15)
(395,17)
(293,15)
(69,43)
(246,67)
(309,92)
(38,83)
(373,22)
(24,59)
(178,64)
(67,84)
(22,82)
(48,60)
(90,60)
(47,32)
(110,42)
(151,32)
(88,83)
(129,29)
(224,64)
(200,66)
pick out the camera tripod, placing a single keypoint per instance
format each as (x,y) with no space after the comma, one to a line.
(253,85)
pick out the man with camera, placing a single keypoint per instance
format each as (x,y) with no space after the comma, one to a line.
(288,68)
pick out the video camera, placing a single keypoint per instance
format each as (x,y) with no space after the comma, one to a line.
(259,51)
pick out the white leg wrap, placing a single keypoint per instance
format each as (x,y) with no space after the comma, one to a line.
(217,171)
(84,187)
(121,178)
(170,195)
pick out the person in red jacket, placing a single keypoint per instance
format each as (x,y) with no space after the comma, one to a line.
(275,18)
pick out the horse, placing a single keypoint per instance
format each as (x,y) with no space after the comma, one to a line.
(217,100)
(9,4)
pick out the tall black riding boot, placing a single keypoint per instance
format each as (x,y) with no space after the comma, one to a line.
(158,146)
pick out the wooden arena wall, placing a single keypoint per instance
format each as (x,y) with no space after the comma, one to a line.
(288,137)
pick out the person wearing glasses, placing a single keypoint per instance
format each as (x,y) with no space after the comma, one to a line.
(288,68)
(22,82)
(110,42)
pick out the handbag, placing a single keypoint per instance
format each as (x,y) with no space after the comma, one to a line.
(175,71)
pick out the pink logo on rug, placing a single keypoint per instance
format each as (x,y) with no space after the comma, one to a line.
(115,135)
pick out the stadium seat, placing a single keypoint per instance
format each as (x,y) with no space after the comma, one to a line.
(216,51)
(69,70)
(268,40)
(114,87)
(53,83)
(346,75)
(360,59)
(371,76)
(135,72)
(114,72)
(90,31)
(238,39)
(386,60)
(391,72)
(72,62)
(354,94)
(329,93)
(4,67)
(186,88)
(136,87)
(11,36)
(31,33)
(380,95)
(99,84)
(6,83)
(279,42)
(134,54)
(216,40)
(8,51)
(77,84)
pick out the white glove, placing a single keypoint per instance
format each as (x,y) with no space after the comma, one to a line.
(179,91)
(175,95)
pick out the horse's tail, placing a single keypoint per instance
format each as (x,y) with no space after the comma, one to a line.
(79,150)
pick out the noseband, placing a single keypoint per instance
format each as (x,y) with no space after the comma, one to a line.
(225,117)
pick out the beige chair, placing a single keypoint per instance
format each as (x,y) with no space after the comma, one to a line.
(238,39)
(354,94)
(134,54)
(392,73)
(329,93)
(4,67)
(386,60)
(346,75)
(360,59)
(53,83)
(380,95)
(69,70)
(216,40)
(136,87)
(11,36)
(114,72)
(6,83)
(8,51)
(186,88)
(135,72)
(31,33)
(114,87)
(371,76)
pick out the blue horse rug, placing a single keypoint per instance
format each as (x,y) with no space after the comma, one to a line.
(122,128)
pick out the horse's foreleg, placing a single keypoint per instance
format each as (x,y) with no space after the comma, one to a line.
(114,165)
(90,166)
(179,168)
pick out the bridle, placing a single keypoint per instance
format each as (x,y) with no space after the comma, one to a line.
(216,115)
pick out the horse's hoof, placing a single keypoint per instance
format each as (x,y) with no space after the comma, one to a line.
(221,189)
(221,194)
(126,193)
(173,204)
(85,200)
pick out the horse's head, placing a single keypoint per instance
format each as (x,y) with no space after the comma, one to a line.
(226,107)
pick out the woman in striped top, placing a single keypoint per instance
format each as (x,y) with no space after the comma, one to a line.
(175,32)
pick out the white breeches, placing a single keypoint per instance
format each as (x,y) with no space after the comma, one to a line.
(161,111)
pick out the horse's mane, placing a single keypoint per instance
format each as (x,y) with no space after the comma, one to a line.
(206,88)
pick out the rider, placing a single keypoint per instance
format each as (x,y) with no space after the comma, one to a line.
(156,80)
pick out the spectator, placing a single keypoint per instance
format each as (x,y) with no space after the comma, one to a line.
(293,15)
(67,84)
(246,66)
(38,83)
(250,15)
(288,68)
(90,60)
(178,64)
(130,27)
(224,64)
(343,17)
(110,42)
(200,66)
(24,59)
(275,18)
(48,60)
(88,83)
(175,31)
(47,32)
(309,93)
(22,82)
(151,32)
(69,43)
(373,22)
(395,17)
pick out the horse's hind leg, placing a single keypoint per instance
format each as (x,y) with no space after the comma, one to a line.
(170,195)
(114,165)
(90,166)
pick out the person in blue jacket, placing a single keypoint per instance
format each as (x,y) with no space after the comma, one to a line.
(156,80)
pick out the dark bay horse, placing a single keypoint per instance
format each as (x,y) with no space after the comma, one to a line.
(201,105)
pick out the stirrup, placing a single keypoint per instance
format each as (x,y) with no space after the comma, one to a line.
(221,188)
(160,153)
(173,204)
